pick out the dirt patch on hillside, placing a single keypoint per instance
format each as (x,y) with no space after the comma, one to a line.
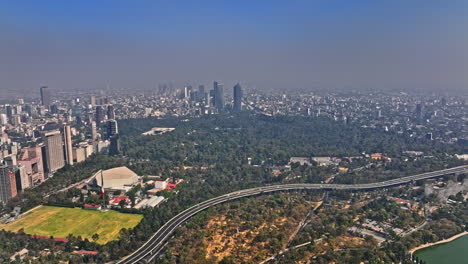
(227,239)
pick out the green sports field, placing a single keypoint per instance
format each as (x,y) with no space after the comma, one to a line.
(60,222)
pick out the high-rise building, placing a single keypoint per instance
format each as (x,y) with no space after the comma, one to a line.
(201,93)
(3,119)
(419,111)
(53,150)
(31,159)
(7,183)
(9,111)
(16,120)
(18,109)
(207,99)
(112,128)
(54,109)
(77,110)
(211,96)
(218,89)
(110,112)
(28,109)
(186,92)
(114,148)
(79,153)
(237,98)
(23,180)
(68,144)
(443,101)
(99,115)
(93,130)
(93,101)
(193,96)
(45,96)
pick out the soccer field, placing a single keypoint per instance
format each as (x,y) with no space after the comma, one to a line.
(60,222)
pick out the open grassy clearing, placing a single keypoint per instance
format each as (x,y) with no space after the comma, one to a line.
(60,222)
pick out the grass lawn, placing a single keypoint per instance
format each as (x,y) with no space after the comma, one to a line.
(60,222)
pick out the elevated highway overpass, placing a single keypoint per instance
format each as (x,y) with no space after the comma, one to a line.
(149,250)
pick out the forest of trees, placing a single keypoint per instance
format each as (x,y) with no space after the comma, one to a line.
(221,139)
(218,148)
(327,229)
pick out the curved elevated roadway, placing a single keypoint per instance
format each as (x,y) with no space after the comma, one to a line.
(148,251)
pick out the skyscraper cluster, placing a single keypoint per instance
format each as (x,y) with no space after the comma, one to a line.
(214,100)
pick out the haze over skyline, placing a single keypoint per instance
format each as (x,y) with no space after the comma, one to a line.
(269,44)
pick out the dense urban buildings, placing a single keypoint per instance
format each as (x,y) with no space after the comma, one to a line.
(37,142)
(39,139)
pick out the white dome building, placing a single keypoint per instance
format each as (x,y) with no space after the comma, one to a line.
(120,178)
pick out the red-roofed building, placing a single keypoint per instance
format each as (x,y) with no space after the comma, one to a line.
(92,206)
(401,201)
(58,239)
(115,201)
(172,186)
(379,156)
(86,252)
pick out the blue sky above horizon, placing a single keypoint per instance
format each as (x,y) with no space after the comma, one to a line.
(268,44)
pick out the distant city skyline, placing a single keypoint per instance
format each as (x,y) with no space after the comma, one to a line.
(420,45)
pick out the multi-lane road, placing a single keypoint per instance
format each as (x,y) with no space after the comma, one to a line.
(148,251)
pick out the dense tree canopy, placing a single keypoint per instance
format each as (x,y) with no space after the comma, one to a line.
(212,154)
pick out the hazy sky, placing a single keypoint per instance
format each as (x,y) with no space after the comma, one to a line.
(280,44)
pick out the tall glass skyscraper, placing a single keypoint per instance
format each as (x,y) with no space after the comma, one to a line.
(45,96)
(218,96)
(237,98)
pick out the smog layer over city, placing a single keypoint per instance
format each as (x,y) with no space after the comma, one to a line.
(225,132)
